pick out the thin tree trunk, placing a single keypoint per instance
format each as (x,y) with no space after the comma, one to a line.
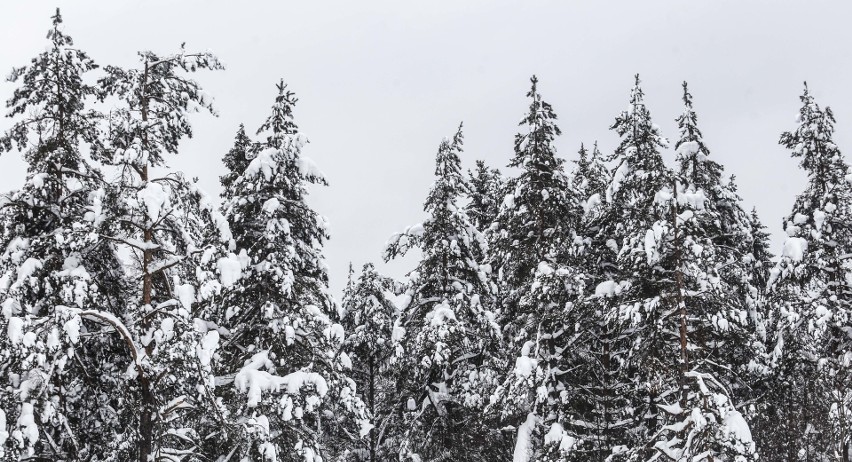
(684,358)
(372,398)
(146,419)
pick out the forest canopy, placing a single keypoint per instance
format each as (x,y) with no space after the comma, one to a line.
(608,308)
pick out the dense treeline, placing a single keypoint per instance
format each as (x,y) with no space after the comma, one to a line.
(616,309)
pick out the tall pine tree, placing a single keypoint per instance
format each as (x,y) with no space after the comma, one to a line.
(535,237)
(538,214)
(370,312)
(634,283)
(714,310)
(171,230)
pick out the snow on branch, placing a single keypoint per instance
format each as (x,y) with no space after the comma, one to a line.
(108,318)
(253,382)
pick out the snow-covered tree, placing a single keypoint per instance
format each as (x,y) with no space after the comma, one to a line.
(445,360)
(568,371)
(54,390)
(722,274)
(238,158)
(590,179)
(370,312)
(807,417)
(169,231)
(760,251)
(564,371)
(698,252)
(533,232)
(285,373)
(632,282)
(539,213)
(485,186)
(707,428)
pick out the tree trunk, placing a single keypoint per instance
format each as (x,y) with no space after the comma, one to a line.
(684,358)
(372,398)
(146,419)
(146,423)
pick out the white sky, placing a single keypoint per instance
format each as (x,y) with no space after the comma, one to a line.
(381,82)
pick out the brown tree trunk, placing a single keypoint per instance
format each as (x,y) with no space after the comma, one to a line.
(146,422)
(146,419)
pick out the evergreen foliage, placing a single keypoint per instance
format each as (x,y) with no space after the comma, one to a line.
(807,412)
(290,390)
(623,311)
(444,363)
(370,312)
(53,264)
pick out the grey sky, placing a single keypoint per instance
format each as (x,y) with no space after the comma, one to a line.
(380,83)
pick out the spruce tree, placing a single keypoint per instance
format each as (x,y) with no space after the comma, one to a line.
(576,409)
(590,179)
(809,405)
(634,282)
(760,252)
(236,160)
(533,248)
(724,272)
(445,362)
(485,186)
(285,388)
(714,310)
(370,311)
(538,214)
(55,389)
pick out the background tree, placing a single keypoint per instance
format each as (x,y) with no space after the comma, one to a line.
(485,186)
(445,361)
(807,412)
(590,179)
(287,387)
(370,312)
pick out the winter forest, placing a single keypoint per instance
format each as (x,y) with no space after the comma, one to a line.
(609,307)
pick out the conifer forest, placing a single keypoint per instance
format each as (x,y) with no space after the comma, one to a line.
(602,306)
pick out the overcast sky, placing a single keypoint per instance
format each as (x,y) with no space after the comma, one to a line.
(381,82)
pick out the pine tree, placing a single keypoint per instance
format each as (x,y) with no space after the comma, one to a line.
(723,272)
(446,357)
(809,408)
(759,250)
(237,160)
(53,265)
(172,231)
(370,307)
(715,311)
(577,408)
(288,390)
